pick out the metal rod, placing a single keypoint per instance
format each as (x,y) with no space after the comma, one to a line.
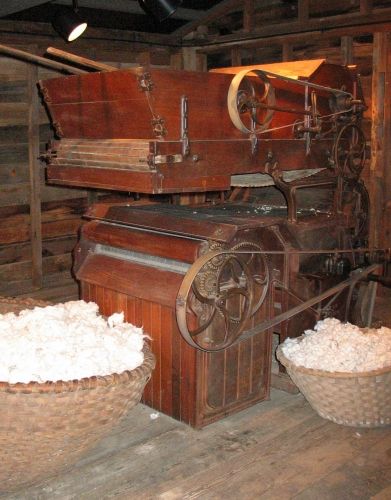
(269,323)
(305,83)
(282,109)
(26,56)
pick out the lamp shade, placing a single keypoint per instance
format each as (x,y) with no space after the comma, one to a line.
(161,9)
(68,24)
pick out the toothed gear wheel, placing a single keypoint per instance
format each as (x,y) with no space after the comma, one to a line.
(216,262)
(258,265)
(208,284)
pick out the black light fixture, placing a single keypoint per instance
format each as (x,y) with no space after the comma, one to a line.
(68,23)
(161,9)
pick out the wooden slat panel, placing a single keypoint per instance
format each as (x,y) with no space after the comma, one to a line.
(19,194)
(17,134)
(25,287)
(22,251)
(130,278)
(20,271)
(14,234)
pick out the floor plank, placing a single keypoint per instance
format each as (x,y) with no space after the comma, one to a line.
(276,449)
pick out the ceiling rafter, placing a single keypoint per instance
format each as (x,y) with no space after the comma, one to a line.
(221,9)
(350,23)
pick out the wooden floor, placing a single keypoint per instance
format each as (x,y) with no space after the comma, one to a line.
(277,449)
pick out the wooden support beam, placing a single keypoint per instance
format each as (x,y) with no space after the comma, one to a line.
(347,50)
(34,168)
(176,60)
(303,10)
(210,15)
(144,58)
(248,16)
(189,56)
(287,52)
(380,141)
(386,233)
(45,30)
(236,56)
(192,60)
(366,7)
(351,24)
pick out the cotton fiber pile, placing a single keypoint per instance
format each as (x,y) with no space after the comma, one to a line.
(341,347)
(66,342)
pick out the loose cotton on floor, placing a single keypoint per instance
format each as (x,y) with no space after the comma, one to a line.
(66,342)
(341,347)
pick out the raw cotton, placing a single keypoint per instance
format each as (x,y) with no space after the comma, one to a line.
(66,342)
(341,347)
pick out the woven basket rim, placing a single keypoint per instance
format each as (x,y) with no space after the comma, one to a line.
(85,383)
(324,373)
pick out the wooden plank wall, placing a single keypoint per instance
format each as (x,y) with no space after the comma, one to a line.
(22,117)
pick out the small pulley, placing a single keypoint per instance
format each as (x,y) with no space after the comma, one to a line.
(251,101)
(215,300)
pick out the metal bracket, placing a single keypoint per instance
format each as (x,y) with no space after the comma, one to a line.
(168,159)
(158,126)
(145,82)
(58,130)
(254,143)
(184,126)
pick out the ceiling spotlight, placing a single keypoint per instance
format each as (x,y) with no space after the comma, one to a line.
(161,9)
(68,23)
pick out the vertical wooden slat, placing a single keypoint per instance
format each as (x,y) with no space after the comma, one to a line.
(189,55)
(236,56)
(347,50)
(380,101)
(387,145)
(248,16)
(303,10)
(34,166)
(176,60)
(287,52)
(366,7)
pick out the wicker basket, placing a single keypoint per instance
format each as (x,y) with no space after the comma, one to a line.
(46,427)
(361,399)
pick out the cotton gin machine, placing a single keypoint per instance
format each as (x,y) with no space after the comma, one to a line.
(279,241)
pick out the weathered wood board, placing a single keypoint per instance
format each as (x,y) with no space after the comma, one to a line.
(275,449)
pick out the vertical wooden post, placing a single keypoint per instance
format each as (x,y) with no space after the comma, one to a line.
(287,52)
(193,60)
(236,56)
(380,139)
(365,7)
(347,50)
(34,172)
(386,232)
(144,58)
(189,55)
(303,10)
(176,60)
(248,16)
